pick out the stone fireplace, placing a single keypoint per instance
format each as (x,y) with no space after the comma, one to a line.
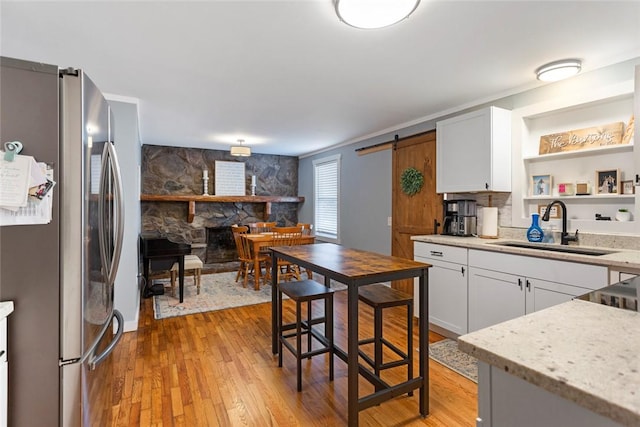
(178,171)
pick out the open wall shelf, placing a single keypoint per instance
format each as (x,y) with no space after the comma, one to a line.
(579,111)
(192,199)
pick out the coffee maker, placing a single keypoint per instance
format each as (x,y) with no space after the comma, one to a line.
(460,217)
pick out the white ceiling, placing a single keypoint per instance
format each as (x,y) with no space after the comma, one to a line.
(290,78)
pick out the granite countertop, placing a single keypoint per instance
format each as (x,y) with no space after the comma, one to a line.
(620,258)
(570,350)
(6,308)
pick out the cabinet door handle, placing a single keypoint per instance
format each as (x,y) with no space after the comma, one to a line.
(462,270)
(1,353)
(528,285)
(436,253)
(520,283)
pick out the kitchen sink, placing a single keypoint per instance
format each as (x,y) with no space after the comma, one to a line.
(556,248)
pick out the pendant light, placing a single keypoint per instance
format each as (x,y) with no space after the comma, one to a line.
(368,14)
(558,70)
(240,150)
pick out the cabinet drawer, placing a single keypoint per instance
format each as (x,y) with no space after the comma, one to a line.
(440,252)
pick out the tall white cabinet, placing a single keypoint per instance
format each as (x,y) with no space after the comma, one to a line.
(473,152)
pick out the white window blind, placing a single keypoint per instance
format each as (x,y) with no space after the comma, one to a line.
(326,196)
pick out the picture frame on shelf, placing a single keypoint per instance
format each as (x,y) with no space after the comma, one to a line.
(583,188)
(628,187)
(608,181)
(541,185)
(554,214)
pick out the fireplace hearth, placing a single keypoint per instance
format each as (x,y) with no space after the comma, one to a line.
(221,247)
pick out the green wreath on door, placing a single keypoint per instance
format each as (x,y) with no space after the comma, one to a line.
(412,181)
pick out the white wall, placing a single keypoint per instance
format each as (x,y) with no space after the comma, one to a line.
(127,143)
(365,197)
(366,180)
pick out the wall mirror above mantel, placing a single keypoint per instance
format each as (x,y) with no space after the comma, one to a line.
(581,110)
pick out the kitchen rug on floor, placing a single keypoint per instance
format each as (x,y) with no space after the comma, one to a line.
(446,353)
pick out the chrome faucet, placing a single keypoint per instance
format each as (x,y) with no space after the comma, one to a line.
(564,237)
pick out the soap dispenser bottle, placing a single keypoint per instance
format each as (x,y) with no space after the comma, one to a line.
(535,233)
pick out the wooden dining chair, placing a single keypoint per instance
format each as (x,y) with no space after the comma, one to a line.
(261,227)
(307,229)
(245,255)
(287,236)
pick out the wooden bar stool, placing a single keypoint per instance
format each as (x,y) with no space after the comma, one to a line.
(306,291)
(191,263)
(379,297)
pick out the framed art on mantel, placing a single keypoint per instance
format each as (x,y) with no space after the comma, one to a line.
(230,179)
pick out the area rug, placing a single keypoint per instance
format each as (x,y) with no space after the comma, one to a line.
(446,353)
(217,291)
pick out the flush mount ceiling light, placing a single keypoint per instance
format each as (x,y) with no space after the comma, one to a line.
(369,14)
(240,150)
(559,70)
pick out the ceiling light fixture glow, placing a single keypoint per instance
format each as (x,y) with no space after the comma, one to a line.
(559,70)
(368,14)
(240,150)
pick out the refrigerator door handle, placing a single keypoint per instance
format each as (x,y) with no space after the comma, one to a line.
(110,159)
(96,360)
(119,219)
(101,214)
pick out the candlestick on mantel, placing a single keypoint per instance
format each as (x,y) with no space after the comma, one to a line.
(205,174)
(253,180)
(205,186)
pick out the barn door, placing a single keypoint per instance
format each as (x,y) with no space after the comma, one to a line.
(413,215)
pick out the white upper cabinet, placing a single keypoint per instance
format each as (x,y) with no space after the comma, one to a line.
(474,152)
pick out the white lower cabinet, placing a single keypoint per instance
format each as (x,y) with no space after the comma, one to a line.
(447,285)
(506,286)
(4,374)
(494,297)
(471,289)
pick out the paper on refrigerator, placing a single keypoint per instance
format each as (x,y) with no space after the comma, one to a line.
(15,178)
(38,208)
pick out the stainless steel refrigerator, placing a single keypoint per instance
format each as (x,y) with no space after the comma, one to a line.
(61,275)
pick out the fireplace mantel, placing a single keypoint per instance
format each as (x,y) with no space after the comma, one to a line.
(192,199)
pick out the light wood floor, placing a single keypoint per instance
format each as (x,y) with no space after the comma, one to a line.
(216,369)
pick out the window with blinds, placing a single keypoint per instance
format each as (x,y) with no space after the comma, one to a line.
(326,197)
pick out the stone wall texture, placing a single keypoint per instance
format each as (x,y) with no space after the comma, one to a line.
(178,171)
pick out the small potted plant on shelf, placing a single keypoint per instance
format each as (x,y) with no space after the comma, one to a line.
(623,215)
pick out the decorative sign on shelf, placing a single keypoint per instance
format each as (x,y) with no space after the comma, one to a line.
(581,139)
(229,179)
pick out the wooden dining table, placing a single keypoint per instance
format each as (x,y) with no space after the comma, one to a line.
(356,268)
(265,240)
